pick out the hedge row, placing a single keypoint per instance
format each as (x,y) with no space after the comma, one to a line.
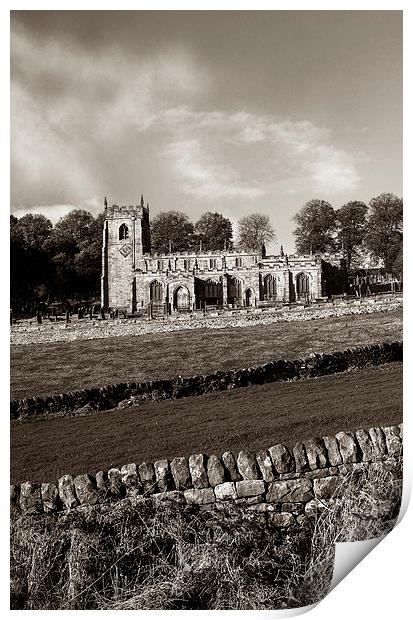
(126,394)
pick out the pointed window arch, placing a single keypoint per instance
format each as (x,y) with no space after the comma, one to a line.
(211,289)
(302,285)
(234,290)
(156,292)
(270,287)
(123,232)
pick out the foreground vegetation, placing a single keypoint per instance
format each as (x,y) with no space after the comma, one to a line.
(246,418)
(140,555)
(146,557)
(41,370)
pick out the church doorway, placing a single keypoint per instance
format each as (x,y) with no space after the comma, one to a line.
(249,296)
(181,299)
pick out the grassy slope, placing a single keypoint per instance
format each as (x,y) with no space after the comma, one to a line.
(55,368)
(247,418)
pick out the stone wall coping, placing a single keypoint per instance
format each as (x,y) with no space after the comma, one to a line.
(134,393)
(313,469)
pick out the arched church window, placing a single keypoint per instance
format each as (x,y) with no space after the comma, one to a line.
(303,285)
(234,289)
(211,289)
(123,232)
(156,292)
(270,287)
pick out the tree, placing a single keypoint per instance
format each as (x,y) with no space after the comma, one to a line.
(397,266)
(315,227)
(254,231)
(75,249)
(385,228)
(171,231)
(30,267)
(214,231)
(60,262)
(34,229)
(18,259)
(88,260)
(73,229)
(351,228)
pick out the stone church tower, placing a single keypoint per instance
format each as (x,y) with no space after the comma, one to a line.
(162,284)
(126,238)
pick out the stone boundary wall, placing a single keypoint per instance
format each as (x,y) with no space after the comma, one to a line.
(28,334)
(127,394)
(289,484)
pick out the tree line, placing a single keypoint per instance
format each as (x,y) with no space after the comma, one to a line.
(55,263)
(173,231)
(356,229)
(63,262)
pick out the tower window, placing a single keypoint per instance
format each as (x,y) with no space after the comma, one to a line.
(123,232)
(212,263)
(238,262)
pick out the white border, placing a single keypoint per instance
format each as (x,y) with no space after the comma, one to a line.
(379,587)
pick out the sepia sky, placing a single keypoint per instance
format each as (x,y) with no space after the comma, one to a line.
(233,112)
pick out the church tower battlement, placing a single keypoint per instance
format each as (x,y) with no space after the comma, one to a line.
(126,239)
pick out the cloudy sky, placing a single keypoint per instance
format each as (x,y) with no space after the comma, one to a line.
(229,111)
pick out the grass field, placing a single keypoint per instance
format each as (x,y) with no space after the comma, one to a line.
(247,418)
(60,367)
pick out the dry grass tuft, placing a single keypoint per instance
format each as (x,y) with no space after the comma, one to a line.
(137,555)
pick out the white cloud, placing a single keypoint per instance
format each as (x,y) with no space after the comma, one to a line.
(204,179)
(209,152)
(73,110)
(55,211)
(52,212)
(332,170)
(83,120)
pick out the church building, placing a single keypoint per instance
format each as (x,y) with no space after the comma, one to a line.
(134,279)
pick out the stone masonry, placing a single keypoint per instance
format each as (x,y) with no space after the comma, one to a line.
(131,394)
(134,279)
(273,480)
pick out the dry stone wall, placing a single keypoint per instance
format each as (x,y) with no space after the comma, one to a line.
(127,394)
(288,484)
(27,333)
